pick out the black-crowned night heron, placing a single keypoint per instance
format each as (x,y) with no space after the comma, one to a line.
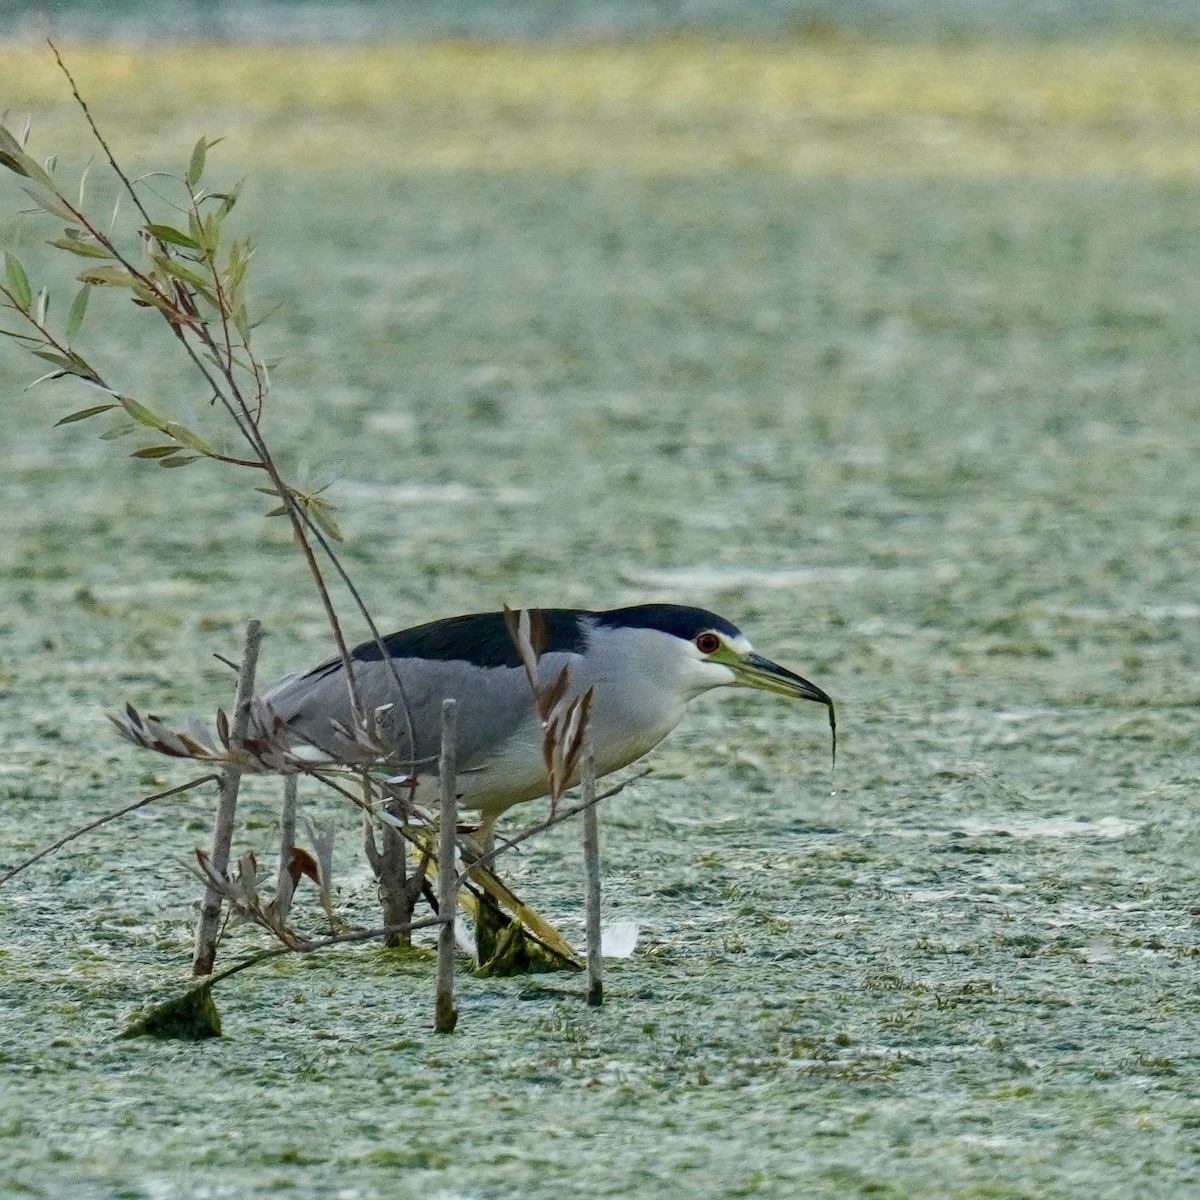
(644,663)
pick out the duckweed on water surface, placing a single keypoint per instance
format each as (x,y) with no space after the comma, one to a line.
(930,437)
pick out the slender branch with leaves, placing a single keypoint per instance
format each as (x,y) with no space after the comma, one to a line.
(176,259)
(193,275)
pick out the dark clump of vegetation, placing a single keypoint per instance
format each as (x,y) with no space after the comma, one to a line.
(190,1017)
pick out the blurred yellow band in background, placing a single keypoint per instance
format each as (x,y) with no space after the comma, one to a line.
(662,107)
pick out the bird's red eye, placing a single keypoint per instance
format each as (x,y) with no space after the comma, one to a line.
(708,643)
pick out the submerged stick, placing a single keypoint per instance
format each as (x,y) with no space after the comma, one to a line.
(591,879)
(445,1014)
(399,889)
(208,924)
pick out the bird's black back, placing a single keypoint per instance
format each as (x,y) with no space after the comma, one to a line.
(481,639)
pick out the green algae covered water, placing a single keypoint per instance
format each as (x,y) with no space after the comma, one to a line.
(931,443)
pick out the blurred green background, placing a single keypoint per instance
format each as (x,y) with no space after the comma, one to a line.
(877,334)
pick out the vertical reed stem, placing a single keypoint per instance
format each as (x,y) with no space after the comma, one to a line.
(208,924)
(445,1014)
(591,880)
(287,839)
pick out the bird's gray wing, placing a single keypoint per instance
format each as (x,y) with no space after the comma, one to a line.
(495,703)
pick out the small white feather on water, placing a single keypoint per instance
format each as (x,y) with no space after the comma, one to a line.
(464,936)
(618,939)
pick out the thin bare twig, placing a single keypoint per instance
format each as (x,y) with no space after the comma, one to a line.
(112,162)
(309,945)
(112,816)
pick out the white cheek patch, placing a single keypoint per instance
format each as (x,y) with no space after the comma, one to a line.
(701,673)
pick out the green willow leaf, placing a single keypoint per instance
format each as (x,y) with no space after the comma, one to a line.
(59,360)
(167,233)
(118,431)
(46,198)
(69,361)
(83,249)
(179,460)
(154,452)
(13,156)
(228,199)
(33,170)
(196,163)
(241,322)
(83,414)
(10,149)
(319,511)
(210,235)
(170,269)
(149,298)
(106,276)
(183,435)
(18,282)
(139,412)
(182,273)
(78,308)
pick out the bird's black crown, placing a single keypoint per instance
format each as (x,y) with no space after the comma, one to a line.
(676,619)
